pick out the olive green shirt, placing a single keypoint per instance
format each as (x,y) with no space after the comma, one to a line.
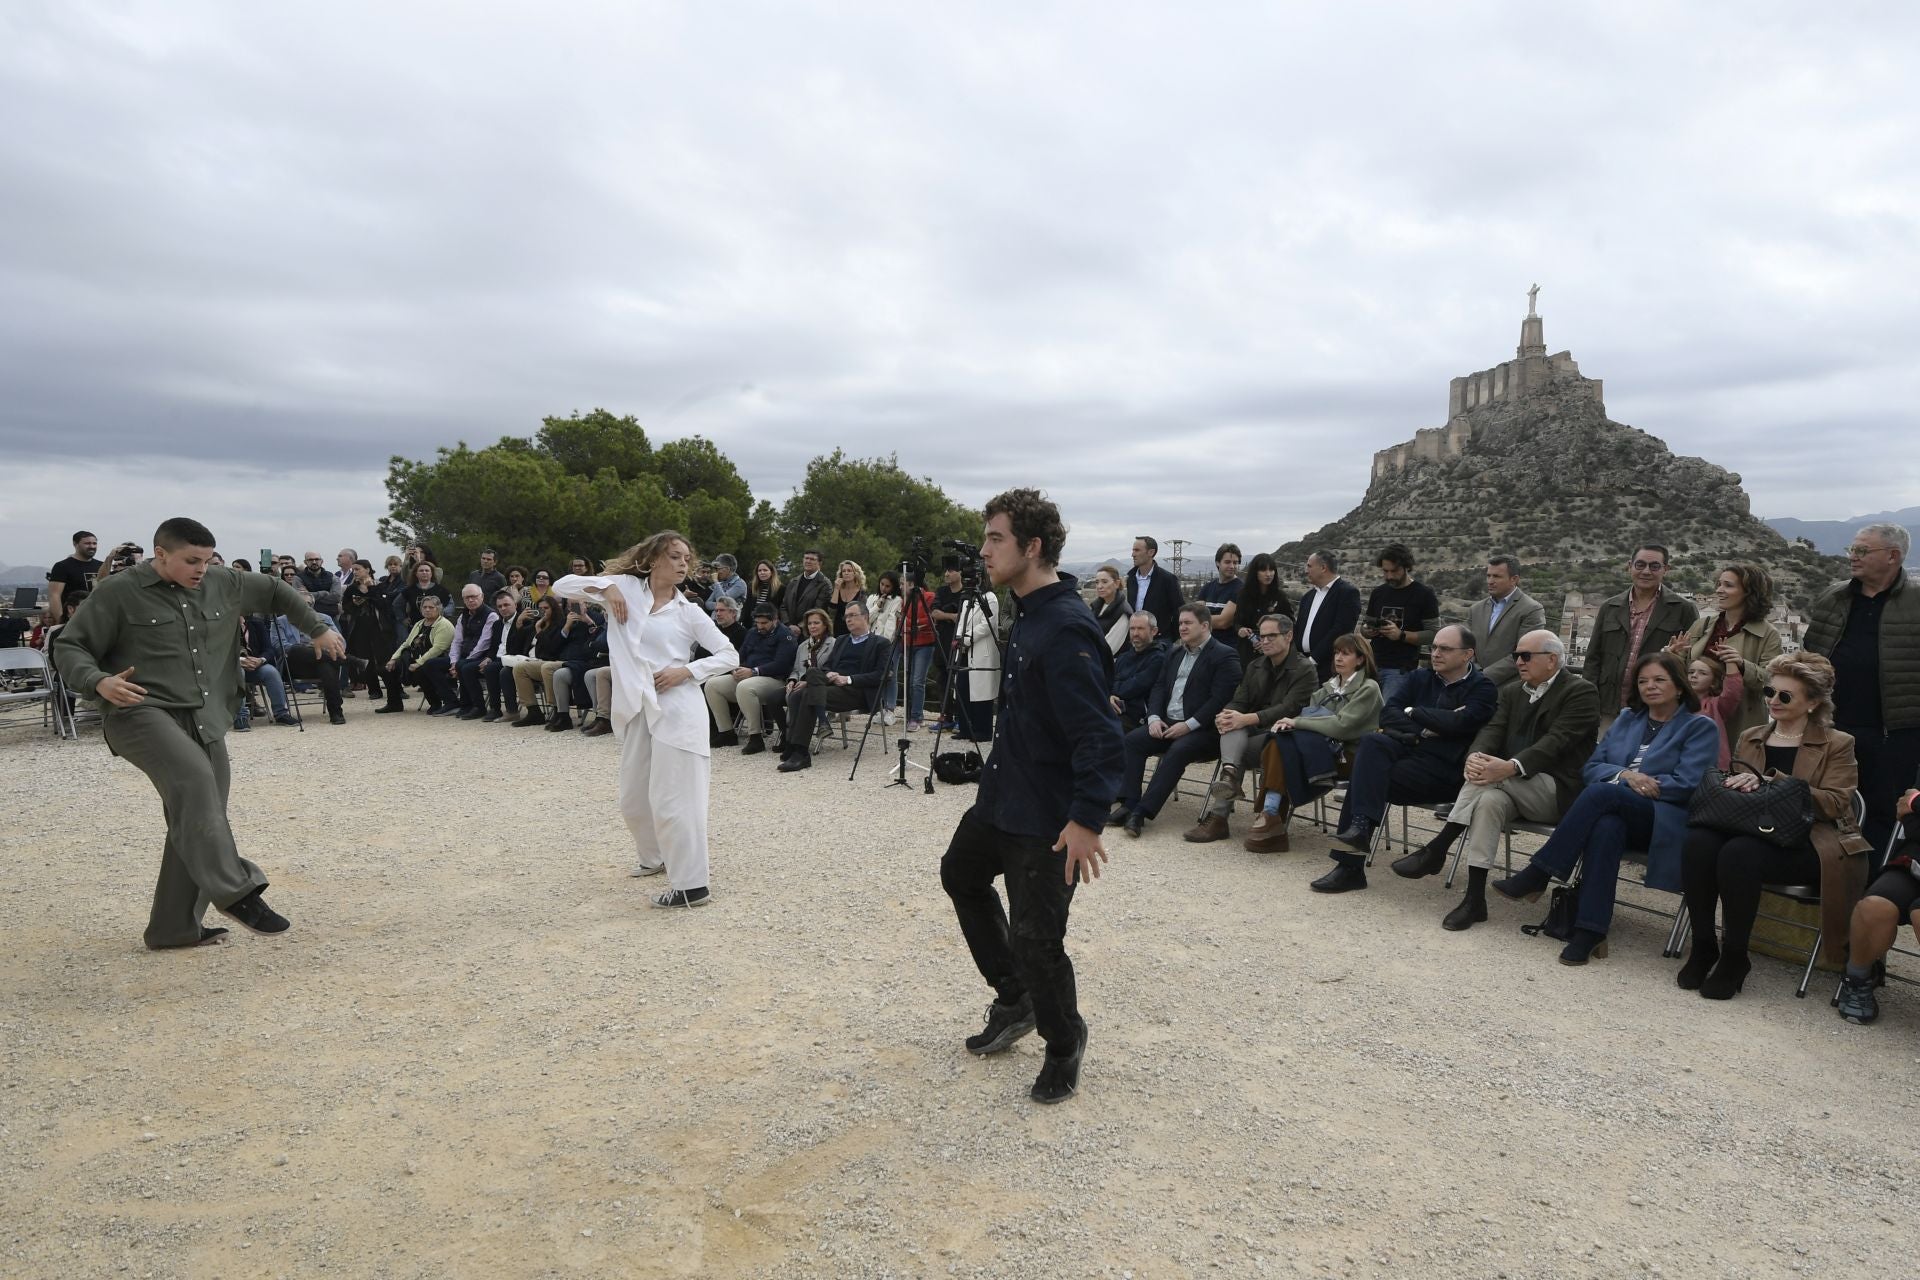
(183,645)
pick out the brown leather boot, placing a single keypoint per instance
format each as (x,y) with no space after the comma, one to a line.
(1208,829)
(1268,835)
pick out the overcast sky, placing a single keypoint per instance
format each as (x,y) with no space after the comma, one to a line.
(1186,266)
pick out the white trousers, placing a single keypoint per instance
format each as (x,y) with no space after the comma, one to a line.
(663,797)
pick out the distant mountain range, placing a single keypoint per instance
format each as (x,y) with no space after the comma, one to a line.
(1832,536)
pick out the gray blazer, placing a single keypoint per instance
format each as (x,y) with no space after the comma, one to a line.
(1522,614)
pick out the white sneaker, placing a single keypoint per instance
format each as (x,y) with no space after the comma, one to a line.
(637,872)
(888,717)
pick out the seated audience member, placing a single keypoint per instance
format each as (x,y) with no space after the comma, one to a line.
(1222,595)
(1110,607)
(257,668)
(1136,669)
(727,584)
(805,593)
(764,589)
(1739,637)
(37,637)
(1640,780)
(719,730)
(1261,595)
(1196,682)
(1330,610)
(1720,691)
(1304,754)
(487,577)
(1730,870)
(1893,896)
(1417,754)
(813,651)
(366,618)
(766,657)
(542,583)
(1502,616)
(1642,619)
(1401,614)
(475,634)
(289,645)
(422,659)
(583,647)
(1524,764)
(850,682)
(534,677)
(514,641)
(1274,686)
(849,583)
(424,586)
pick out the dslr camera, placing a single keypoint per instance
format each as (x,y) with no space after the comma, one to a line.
(124,556)
(967,559)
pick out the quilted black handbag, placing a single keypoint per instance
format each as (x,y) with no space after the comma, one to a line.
(1779,810)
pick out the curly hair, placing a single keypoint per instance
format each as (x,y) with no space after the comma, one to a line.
(1758,587)
(1814,672)
(1031,514)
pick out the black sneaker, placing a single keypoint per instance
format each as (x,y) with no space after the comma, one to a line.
(756,743)
(682,898)
(287,720)
(253,912)
(1005,1024)
(1059,1077)
(336,716)
(1857,1002)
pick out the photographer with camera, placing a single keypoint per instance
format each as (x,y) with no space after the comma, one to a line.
(174,622)
(1043,796)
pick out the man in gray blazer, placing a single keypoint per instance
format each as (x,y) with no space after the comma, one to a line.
(1502,617)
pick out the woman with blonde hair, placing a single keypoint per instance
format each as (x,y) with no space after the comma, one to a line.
(658,710)
(849,584)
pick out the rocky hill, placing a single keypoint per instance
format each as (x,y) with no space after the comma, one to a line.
(1529,463)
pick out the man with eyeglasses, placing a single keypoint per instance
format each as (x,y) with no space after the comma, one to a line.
(1275,685)
(1417,755)
(1641,619)
(1869,628)
(1524,764)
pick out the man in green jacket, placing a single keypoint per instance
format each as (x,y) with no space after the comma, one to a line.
(1641,619)
(1869,628)
(158,646)
(1269,690)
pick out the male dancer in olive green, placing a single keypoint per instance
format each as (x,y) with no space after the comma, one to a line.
(174,624)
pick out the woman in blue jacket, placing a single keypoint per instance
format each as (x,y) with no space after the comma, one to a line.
(1640,781)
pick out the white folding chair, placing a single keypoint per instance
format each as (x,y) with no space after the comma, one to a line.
(24,665)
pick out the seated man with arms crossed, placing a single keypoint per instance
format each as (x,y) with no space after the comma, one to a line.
(1524,764)
(851,682)
(473,643)
(1275,685)
(766,655)
(1194,686)
(1416,756)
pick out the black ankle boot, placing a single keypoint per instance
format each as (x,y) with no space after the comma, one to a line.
(1584,945)
(1529,882)
(1705,954)
(1728,976)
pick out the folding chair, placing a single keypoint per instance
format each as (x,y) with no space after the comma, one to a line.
(23,664)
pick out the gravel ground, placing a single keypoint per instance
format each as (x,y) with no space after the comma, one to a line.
(478,1053)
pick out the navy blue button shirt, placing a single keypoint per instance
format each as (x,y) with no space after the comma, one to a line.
(1056,746)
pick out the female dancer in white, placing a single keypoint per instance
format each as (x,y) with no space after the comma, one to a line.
(657,708)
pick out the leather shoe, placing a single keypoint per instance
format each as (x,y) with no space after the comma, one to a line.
(598,729)
(1584,944)
(529,719)
(797,761)
(1471,911)
(1344,878)
(253,912)
(336,716)
(1528,883)
(1059,1077)
(1208,829)
(1425,861)
(1134,824)
(1117,815)
(1358,837)
(756,743)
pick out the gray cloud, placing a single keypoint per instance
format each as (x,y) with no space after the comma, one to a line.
(1188,269)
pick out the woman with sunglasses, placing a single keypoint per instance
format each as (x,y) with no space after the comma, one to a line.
(1640,780)
(538,591)
(1800,742)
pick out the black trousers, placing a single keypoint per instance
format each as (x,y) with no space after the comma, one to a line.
(1199,745)
(1387,771)
(434,675)
(1888,762)
(804,703)
(1715,866)
(1024,954)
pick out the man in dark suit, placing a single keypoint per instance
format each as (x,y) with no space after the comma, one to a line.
(1417,755)
(1330,610)
(1195,684)
(1153,588)
(1524,764)
(1504,615)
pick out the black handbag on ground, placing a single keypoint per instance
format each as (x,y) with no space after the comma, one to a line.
(1779,810)
(1559,921)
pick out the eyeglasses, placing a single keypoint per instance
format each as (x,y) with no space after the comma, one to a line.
(1859,552)
(1447,648)
(1526,655)
(1648,566)
(1268,637)
(1781,696)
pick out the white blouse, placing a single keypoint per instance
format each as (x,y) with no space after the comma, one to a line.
(648,642)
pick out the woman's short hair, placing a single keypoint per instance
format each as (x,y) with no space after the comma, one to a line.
(1758,585)
(725,560)
(826,621)
(1109,570)
(1816,673)
(1359,648)
(1675,672)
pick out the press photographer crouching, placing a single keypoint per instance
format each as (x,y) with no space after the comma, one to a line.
(422,660)
(850,682)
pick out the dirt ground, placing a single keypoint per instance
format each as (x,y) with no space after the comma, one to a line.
(479,1053)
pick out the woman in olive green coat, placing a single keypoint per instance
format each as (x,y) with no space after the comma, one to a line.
(1737,633)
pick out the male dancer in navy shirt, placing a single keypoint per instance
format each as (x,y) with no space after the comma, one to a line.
(1054,772)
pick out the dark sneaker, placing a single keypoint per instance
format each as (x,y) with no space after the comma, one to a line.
(241,726)
(1857,1002)
(390,709)
(756,743)
(287,720)
(253,912)
(1059,1077)
(472,713)
(492,717)
(1006,1023)
(682,898)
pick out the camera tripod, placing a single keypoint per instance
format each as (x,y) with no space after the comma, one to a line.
(973,605)
(912,597)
